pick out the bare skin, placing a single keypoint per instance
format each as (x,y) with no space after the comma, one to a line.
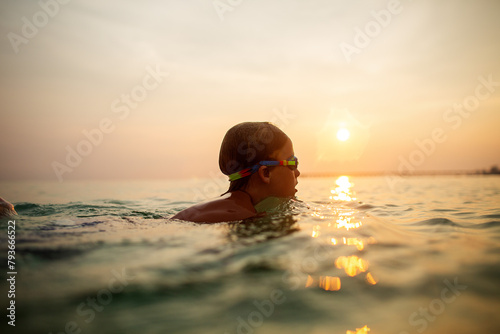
(6,209)
(277,181)
(233,206)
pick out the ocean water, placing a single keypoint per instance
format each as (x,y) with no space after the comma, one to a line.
(350,255)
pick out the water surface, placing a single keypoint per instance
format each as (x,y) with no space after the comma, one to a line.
(351,255)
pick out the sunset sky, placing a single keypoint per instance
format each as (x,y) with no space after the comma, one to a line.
(156,84)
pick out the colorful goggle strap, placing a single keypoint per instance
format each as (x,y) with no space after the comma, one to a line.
(249,171)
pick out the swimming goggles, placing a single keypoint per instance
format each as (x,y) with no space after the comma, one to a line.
(291,163)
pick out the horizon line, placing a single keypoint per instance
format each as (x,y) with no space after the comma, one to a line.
(397,173)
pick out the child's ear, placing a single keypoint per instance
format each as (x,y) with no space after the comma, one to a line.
(264,174)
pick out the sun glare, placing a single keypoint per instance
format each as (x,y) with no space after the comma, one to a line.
(343,134)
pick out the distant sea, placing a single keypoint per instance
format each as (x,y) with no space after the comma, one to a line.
(349,255)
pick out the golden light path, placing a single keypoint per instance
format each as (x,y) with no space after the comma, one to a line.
(350,242)
(327,283)
(363,330)
(343,190)
(340,218)
(345,222)
(352,265)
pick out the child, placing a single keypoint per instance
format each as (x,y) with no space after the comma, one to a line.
(259,160)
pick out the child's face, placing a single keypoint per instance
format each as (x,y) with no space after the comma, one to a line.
(283,179)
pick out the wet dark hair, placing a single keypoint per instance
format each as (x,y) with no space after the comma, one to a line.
(246,144)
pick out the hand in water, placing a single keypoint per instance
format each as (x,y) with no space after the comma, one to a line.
(6,209)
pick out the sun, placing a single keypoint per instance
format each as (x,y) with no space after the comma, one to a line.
(343,134)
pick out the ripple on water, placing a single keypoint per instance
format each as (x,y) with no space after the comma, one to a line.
(494,216)
(437,222)
(487,225)
(35,210)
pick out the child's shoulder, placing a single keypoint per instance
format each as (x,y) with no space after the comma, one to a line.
(219,210)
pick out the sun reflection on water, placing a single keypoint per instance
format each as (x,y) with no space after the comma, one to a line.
(327,283)
(352,265)
(370,279)
(337,226)
(363,330)
(343,190)
(315,232)
(350,242)
(345,222)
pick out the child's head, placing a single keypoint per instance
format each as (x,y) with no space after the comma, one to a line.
(246,145)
